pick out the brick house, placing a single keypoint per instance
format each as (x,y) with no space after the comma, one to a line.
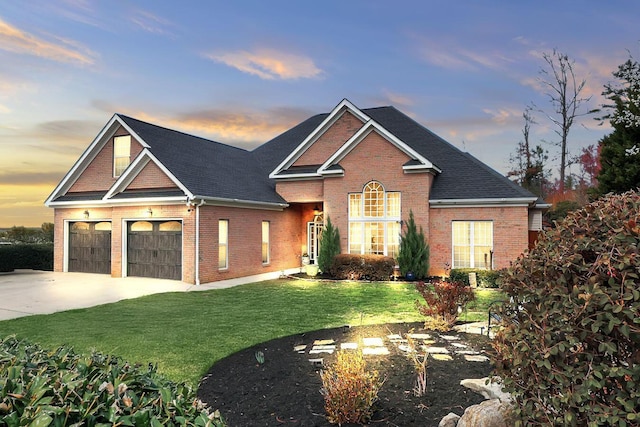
(143,200)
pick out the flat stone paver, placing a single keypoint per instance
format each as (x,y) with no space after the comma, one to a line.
(475,358)
(443,357)
(323,342)
(375,351)
(349,346)
(419,336)
(450,337)
(300,348)
(372,342)
(436,350)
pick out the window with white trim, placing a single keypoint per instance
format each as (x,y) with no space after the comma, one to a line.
(472,244)
(374,221)
(265,242)
(121,154)
(223,244)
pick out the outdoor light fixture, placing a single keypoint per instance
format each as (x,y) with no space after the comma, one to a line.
(149,212)
(316,210)
(86,214)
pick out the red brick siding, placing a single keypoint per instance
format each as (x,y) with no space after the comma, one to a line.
(151,176)
(245,241)
(301,191)
(376,159)
(343,129)
(99,174)
(510,234)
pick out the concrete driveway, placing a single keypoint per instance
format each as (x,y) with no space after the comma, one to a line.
(28,292)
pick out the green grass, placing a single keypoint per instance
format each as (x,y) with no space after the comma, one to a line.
(185,333)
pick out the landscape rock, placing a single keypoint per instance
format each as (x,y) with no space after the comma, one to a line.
(490,413)
(449,420)
(488,389)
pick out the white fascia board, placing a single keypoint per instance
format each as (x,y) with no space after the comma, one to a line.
(312,175)
(238,203)
(135,168)
(175,200)
(334,115)
(362,133)
(87,156)
(454,203)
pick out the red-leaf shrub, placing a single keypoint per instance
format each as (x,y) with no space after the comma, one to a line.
(443,299)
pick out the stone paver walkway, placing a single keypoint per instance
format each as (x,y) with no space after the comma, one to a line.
(443,347)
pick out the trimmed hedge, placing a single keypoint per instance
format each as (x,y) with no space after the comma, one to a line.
(27,256)
(484,278)
(362,267)
(57,388)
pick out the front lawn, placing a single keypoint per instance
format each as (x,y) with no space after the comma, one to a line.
(185,333)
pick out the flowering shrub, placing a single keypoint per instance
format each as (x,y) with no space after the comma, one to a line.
(41,388)
(361,267)
(349,389)
(443,300)
(571,355)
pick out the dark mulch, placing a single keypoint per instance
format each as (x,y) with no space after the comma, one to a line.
(285,389)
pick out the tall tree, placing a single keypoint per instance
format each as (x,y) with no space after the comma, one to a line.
(329,246)
(620,150)
(564,91)
(528,164)
(413,254)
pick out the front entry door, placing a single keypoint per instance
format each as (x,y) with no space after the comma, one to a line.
(314,231)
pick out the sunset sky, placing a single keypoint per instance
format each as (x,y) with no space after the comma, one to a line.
(241,72)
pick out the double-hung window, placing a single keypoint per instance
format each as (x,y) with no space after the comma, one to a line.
(223,244)
(472,244)
(121,154)
(374,221)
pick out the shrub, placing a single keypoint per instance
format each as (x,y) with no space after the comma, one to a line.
(329,246)
(484,278)
(413,254)
(349,389)
(40,387)
(362,267)
(443,299)
(28,256)
(572,355)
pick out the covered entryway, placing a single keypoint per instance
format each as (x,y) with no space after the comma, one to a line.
(90,247)
(154,249)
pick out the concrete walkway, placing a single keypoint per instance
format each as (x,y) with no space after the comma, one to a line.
(28,292)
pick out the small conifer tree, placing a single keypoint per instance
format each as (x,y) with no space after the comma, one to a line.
(329,246)
(413,255)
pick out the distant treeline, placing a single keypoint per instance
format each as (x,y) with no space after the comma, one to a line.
(21,234)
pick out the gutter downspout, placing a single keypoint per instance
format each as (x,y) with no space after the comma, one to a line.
(197,263)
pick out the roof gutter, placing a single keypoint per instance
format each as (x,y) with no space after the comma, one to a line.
(451,203)
(238,203)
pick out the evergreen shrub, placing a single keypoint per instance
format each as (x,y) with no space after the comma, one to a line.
(26,256)
(484,278)
(329,246)
(569,351)
(41,387)
(362,267)
(413,254)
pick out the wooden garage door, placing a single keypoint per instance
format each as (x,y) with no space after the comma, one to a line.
(154,249)
(90,247)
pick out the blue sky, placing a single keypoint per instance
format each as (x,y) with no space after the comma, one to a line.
(242,72)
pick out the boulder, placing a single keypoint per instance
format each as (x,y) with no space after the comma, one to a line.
(449,420)
(490,413)
(488,389)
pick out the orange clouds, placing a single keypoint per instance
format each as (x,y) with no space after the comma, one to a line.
(13,39)
(269,64)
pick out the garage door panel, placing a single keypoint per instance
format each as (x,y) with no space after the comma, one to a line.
(154,252)
(89,249)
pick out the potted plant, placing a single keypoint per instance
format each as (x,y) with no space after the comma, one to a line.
(305,259)
(311,269)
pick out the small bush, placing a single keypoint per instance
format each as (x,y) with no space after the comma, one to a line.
(26,256)
(40,388)
(413,254)
(362,267)
(329,246)
(572,355)
(443,299)
(349,389)
(484,278)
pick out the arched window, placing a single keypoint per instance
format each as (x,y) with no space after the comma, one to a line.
(374,221)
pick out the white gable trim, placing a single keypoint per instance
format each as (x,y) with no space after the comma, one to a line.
(479,203)
(344,106)
(135,168)
(363,132)
(89,155)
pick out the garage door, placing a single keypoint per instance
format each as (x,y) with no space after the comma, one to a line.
(90,247)
(154,249)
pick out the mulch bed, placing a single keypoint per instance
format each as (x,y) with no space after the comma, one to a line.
(285,389)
